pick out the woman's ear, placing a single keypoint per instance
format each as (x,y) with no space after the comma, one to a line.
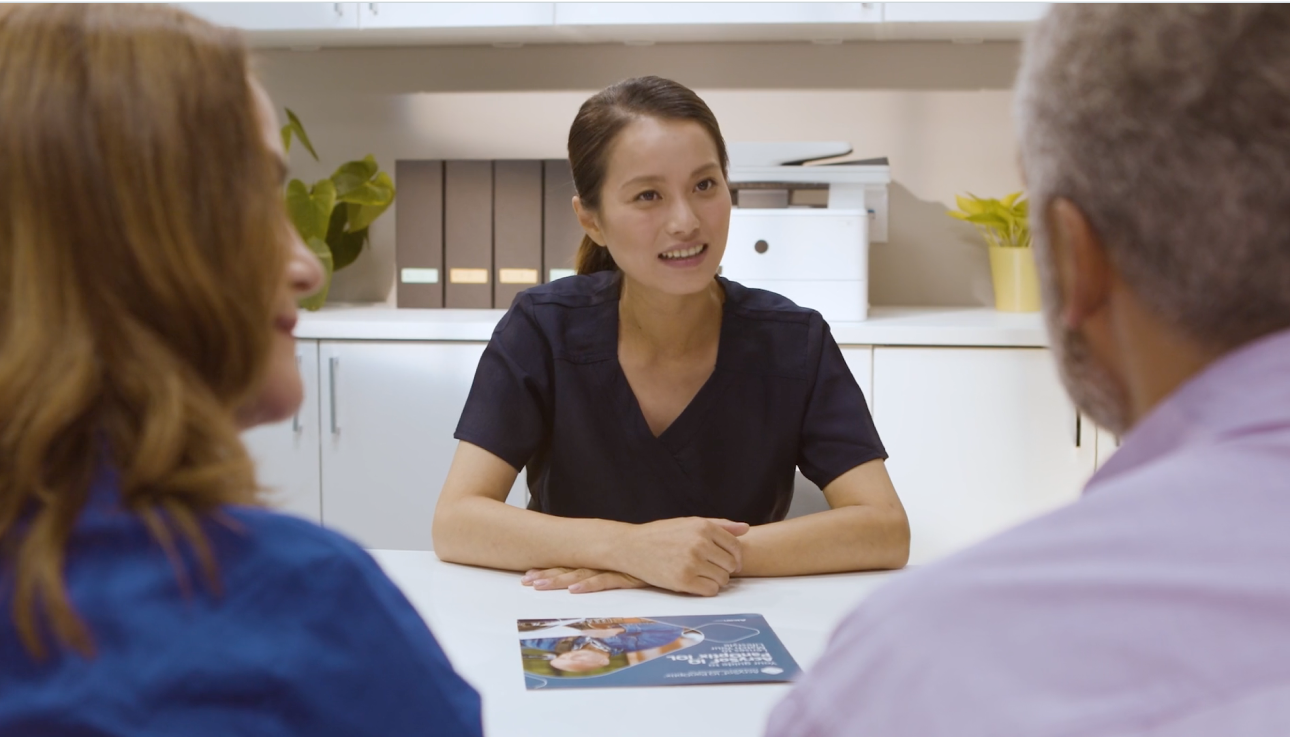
(587,219)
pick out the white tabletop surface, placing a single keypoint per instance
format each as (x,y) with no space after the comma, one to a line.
(900,326)
(472,612)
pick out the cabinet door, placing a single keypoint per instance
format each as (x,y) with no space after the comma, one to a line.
(278,16)
(286,453)
(1107,443)
(918,12)
(719,13)
(389,410)
(807,497)
(456,15)
(980,439)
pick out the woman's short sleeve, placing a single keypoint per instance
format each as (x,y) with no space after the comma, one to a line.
(507,412)
(838,433)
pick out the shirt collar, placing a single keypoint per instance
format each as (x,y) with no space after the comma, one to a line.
(1239,393)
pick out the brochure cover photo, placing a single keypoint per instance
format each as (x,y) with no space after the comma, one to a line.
(652,651)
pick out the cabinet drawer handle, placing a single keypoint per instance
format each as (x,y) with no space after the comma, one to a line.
(333,367)
(761,246)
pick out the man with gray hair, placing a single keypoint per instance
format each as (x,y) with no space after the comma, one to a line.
(1155,141)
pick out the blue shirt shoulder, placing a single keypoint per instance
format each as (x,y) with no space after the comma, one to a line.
(306,635)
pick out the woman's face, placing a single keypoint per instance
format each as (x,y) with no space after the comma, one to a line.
(282,392)
(580,661)
(664,205)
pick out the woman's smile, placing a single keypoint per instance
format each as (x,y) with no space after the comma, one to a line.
(684,256)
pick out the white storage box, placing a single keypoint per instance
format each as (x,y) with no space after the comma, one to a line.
(819,258)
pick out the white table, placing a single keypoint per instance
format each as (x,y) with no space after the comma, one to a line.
(472,612)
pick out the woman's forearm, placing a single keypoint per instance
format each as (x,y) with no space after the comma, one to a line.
(854,538)
(485,532)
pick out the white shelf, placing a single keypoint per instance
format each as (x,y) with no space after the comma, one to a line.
(944,326)
(315,24)
(915,326)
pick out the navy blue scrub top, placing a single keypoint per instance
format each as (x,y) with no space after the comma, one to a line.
(550,395)
(309,637)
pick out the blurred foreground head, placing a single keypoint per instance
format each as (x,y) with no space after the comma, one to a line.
(1167,129)
(142,252)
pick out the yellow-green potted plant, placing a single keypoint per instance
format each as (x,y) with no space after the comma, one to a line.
(1004,225)
(333,214)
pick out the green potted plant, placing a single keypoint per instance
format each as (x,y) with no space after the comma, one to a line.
(1006,229)
(333,215)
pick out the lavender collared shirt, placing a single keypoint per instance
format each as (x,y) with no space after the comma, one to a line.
(1158,604)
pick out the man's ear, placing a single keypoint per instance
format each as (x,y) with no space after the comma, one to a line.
(1084,271)
(588,221)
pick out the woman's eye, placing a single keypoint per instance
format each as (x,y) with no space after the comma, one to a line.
(648,196)
(706,185)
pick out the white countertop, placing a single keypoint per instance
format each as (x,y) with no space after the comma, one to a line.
(472,612)
(896,326)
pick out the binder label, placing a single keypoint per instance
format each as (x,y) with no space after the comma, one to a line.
(419,276)
(517,276)
(467,276)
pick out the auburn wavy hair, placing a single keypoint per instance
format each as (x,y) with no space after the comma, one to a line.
(141,247)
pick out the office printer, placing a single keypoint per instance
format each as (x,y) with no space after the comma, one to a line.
(804,231)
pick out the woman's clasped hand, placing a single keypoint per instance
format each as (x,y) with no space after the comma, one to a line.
(692,555)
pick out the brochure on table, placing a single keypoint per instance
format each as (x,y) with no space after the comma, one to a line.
(652,651)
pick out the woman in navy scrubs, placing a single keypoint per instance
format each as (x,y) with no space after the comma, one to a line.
(659,409)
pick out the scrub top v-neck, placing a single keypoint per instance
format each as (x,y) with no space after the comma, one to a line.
(550,396)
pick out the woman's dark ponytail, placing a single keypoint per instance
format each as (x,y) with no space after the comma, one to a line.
(593,257)
(598,123)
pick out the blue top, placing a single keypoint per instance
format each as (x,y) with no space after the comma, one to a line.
(550,394)
(308,638)
(636,636)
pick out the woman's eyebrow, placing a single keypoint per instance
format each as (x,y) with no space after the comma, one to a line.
(645,178)
(642,179)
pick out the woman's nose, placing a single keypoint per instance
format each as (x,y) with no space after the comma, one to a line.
(304,272)
(683,221)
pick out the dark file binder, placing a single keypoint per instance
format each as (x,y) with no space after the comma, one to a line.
(468,234)
(418,233)
(517,229)
(561,233)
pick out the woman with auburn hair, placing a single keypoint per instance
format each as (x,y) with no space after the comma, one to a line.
(148,280)
(661,410)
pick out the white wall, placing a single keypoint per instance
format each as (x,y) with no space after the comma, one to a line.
(940,111)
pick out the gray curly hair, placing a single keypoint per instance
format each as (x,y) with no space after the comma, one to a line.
(1169,127)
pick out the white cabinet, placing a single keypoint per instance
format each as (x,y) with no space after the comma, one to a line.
(271,17)
(915,12)
(958,21)
(388,412)
(455,15)
(720,13)
(286,453)
(1107,443)
(697,22)
(980,439)
(285,25)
